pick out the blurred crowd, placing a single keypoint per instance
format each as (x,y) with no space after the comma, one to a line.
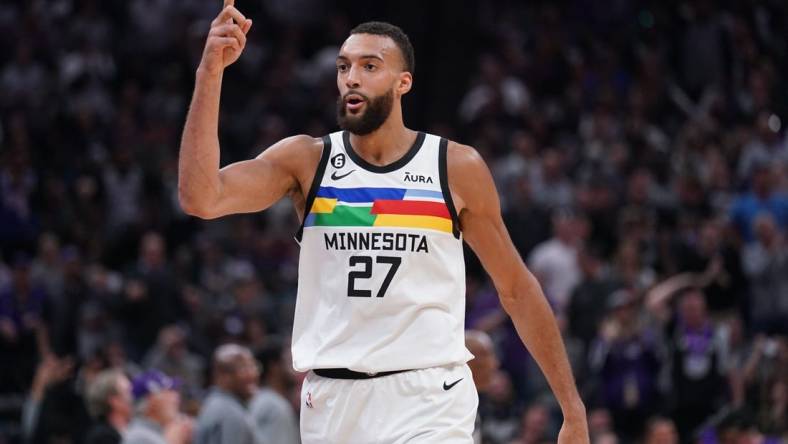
(639,148)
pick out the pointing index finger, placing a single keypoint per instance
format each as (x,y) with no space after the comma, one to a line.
(230,13)
(229,3)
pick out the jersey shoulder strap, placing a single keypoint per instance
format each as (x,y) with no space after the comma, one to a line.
(316,180)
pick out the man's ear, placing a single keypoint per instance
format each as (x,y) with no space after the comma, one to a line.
(405,83)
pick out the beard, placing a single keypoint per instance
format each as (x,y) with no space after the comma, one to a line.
(376,113)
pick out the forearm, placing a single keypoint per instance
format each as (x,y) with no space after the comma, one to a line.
(537,328)
(198,165)
(30,412)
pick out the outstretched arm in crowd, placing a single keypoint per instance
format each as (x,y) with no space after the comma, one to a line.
(520,293)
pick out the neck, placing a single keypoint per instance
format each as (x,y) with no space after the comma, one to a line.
(387,143)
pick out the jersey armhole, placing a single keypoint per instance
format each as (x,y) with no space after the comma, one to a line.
(443,171)
(310,197)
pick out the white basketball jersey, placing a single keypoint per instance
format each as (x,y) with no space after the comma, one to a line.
(381,277)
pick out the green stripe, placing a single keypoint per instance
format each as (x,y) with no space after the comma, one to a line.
(346,216)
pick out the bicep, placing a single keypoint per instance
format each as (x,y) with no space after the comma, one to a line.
(482,225)
(251,185)
(487,236)
(254,185)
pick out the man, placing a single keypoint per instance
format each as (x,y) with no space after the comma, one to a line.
(485,362)
(765,263)
(698,364)
(224,417)
(157,404)
(381,278)
(555,261)
(272,414)
(483,367)
(660,431)
(109,402)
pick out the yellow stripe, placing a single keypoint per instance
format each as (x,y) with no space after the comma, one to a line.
(323,205)
(407,221)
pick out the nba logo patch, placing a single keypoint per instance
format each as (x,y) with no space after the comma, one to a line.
(309,400)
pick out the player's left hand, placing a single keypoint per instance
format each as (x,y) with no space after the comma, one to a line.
(574,431)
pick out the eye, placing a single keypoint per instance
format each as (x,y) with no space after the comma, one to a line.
(341,67)
(370,67)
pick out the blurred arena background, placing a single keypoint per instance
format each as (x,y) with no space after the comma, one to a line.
(639,148)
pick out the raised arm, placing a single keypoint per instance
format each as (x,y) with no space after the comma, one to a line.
(520,294)
(252,185)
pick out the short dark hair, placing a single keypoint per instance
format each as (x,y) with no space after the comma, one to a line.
(394,33)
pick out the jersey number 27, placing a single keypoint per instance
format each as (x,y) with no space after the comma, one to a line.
(366,272)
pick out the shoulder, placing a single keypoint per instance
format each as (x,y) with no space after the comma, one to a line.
(296,156)
(225,405)
(295,147)
(469,178)
(267,399)
(141,435)
(463,158)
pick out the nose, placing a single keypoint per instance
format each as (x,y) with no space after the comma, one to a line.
(352,81)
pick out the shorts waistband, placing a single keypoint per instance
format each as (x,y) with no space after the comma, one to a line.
(345,373)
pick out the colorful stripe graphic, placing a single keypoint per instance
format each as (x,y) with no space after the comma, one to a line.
(379,207)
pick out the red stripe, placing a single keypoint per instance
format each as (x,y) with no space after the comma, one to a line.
(411,207)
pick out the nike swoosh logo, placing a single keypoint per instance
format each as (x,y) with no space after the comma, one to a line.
(449,386)
(336,176)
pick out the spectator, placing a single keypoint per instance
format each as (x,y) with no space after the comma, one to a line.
(552,187)
(272,415)
(765,263)
(705,250)
(51,373)
(24,79)
(600,424)
(500,409)
(535,426)
(123,181)
(528,222)
(47,269)
(22,326)
(157,419)
(762,197)
(171,355)
(660,431)
(698,364)
(626,359)
(483,367)
(588,302)
(224,417)
(554,262)
(110,403)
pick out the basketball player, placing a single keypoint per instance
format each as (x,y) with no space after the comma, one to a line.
(384,210)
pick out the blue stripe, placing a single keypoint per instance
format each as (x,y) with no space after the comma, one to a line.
(360,195)
(424,193)
(310,220)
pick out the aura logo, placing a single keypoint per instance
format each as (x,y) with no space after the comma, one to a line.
(417,178)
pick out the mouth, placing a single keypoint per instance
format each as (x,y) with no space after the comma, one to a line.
(354,102)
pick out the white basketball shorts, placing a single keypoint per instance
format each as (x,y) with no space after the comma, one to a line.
(435,405)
